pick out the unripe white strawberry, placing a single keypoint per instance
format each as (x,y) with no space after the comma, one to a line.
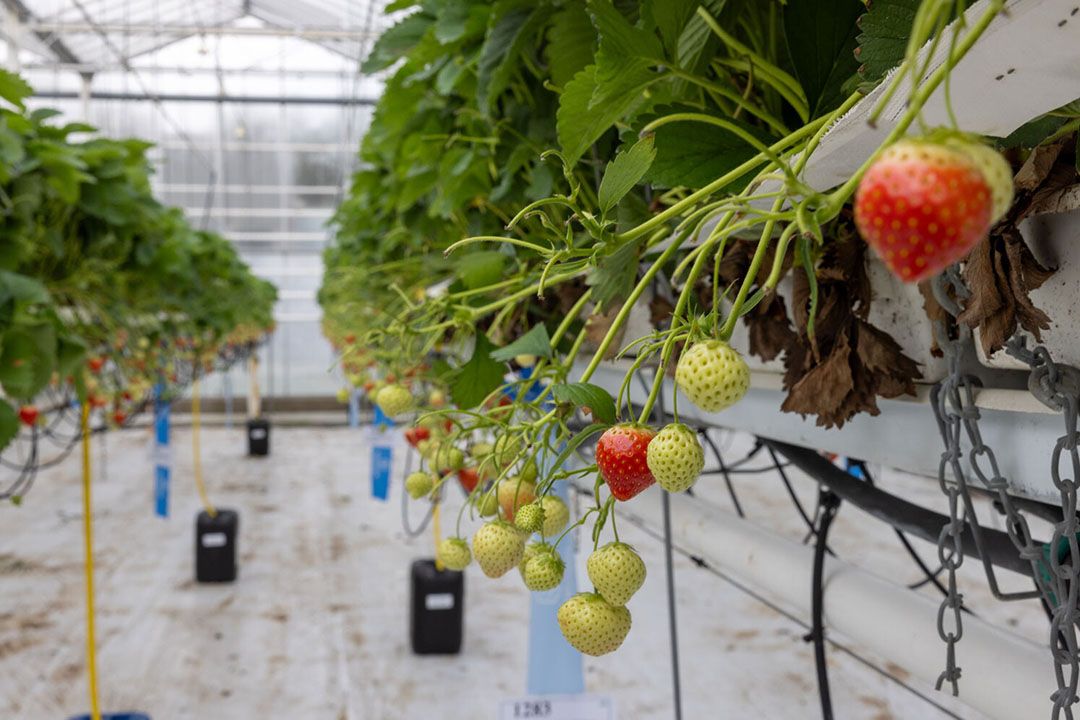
(454,553)
(617,572)
(543,570)
(394,400)
(556,515)
(675,457)
(529,518)
(419,484)
(497,547)
(712,375)
(593,625)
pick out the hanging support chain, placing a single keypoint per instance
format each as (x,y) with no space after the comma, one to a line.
(957,416)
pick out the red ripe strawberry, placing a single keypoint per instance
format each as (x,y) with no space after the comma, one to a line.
(95,364)
(469,478)
(350,339)
(414,435)
(28,414)
(923,205)
(621,457)
(119,417)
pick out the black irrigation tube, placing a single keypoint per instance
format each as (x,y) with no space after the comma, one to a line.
(901,514)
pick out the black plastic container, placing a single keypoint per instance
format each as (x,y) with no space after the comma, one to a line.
(437,609)
(258,432)
(215,546)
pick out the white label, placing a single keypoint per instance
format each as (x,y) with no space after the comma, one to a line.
(258,433)
(439,601)
(212,540)
(558,707)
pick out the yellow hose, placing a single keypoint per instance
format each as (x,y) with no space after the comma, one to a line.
(196,460)
(88,544)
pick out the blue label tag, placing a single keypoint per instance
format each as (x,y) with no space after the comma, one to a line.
(381,460)
(382,420)
(162,461)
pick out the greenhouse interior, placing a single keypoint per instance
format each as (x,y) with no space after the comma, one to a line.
(562,359)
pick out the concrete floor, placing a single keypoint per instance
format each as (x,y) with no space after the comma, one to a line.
(316,626)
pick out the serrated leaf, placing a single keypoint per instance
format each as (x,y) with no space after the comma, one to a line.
(587,395)
(671,18)
(476,379)
(571,43)
(9,423)
(885,29)
(14,89)
(614,275)
(625,171)
(535,342)
(694,155)
(821,40)
(70,352)
(514,25)
(588,107)
(397,41)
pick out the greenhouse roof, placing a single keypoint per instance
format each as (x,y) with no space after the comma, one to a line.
(95,33)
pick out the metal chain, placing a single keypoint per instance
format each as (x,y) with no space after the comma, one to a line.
(953,401)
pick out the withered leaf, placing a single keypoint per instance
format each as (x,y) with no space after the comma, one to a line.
(824,388)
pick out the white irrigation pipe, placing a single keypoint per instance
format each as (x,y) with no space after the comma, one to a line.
(1004,676)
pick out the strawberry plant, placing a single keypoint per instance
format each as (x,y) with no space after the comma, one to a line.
(539,172)
(104,292)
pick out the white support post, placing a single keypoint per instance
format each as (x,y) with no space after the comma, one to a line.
(254,401)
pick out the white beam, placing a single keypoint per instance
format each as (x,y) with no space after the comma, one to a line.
(83,28)
(249,189)
(233,212)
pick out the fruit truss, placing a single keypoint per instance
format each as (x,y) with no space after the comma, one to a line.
(537,172)
(105,294)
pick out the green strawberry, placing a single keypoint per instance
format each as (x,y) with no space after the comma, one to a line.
(448,459)
(712,375)
(556,515)
(528,471)
(394,400)
(487,504)
(454,553)
(531,549)
(481,450)
(498,547)
(617,572)
(507,448)
(419,484)
(593,625)
(543,570)
(529,518)
(675,457)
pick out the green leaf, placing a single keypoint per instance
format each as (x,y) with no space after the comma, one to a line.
(885,29)
(625,171)
(70,352)
(27,360)
(396,42)
(694,155)
(821,39)
(479,269)
(1032,133)
(587,395)
(620,39)
(477,378)
(589,107)
(535,342)
(9,423)
(671,18)
(515,24)
(21,288)
(14,89)
(614,275)
(571,43)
